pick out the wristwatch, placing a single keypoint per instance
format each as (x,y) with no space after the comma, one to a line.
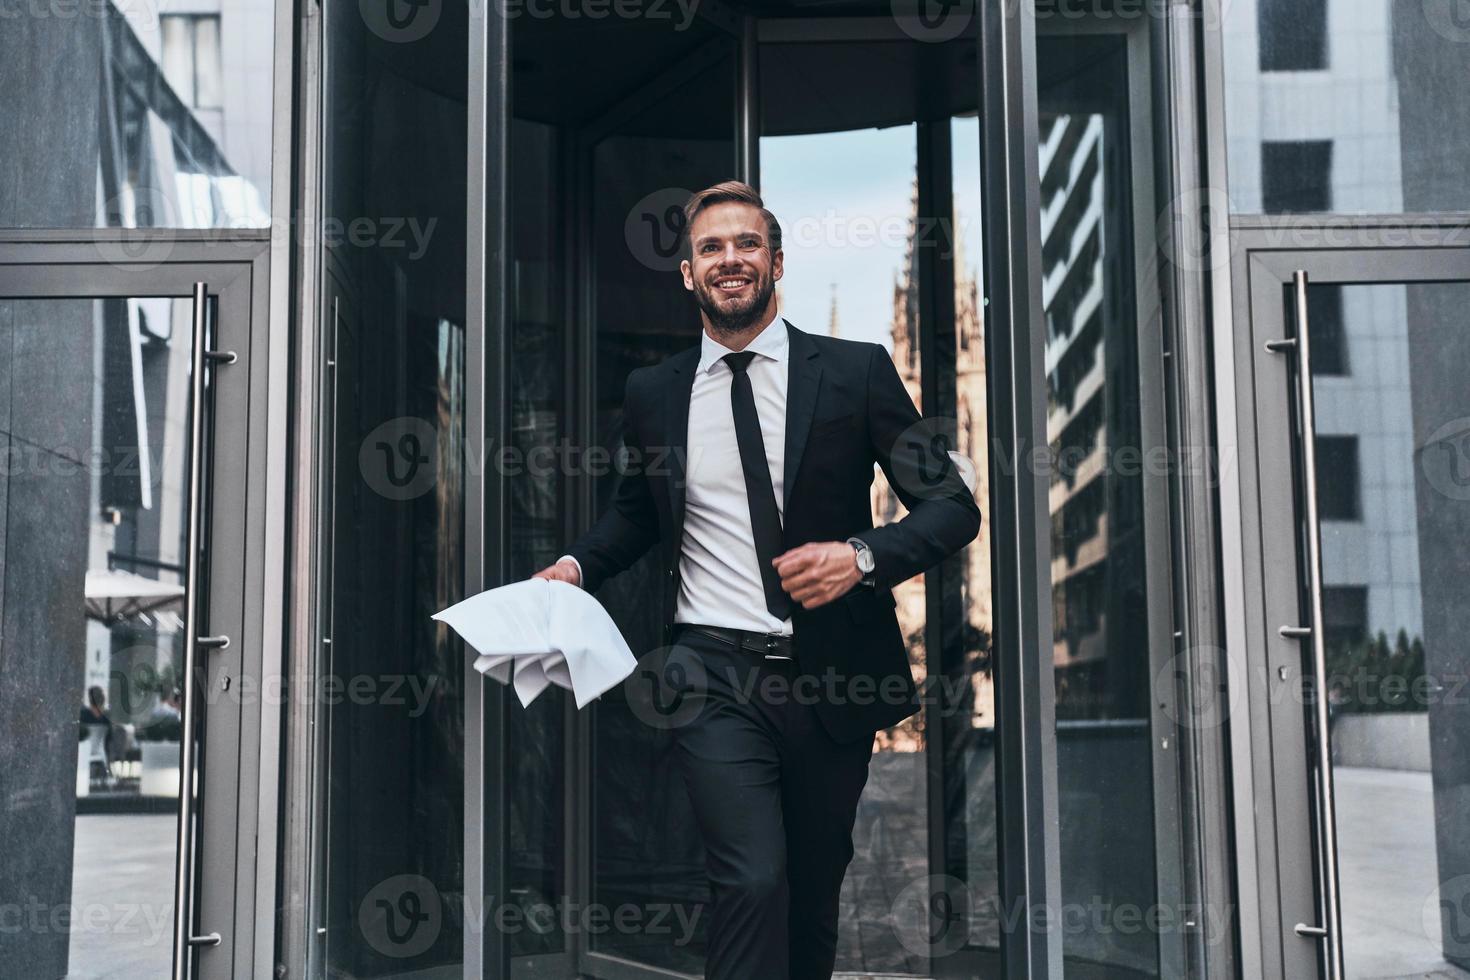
(865,561)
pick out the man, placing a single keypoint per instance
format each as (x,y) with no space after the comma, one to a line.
(759,447)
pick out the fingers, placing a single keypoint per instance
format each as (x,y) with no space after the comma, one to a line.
(795,560)
(562,571)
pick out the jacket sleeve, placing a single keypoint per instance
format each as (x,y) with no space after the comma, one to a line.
(629,527)
(942,515)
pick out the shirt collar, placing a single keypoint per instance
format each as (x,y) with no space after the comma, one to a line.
(773,342)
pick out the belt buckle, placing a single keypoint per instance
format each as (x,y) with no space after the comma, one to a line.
(771,654)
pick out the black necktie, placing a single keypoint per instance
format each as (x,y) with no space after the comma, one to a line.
(765,519)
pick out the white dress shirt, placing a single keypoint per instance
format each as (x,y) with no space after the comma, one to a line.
(719,574)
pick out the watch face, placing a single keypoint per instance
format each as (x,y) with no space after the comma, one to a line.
(864,560)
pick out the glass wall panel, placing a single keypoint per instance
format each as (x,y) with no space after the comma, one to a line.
(870,234)
(616,121)
(391,690)
(1101,595)
(646,847)
(536,474)
(118,117)
(1346,105)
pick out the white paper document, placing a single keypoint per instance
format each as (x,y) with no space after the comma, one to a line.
(538,632)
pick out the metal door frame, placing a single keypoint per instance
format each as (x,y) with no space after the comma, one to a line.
(1273,805)
(231,864)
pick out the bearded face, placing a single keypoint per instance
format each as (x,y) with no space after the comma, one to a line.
(734,297)
(732,271)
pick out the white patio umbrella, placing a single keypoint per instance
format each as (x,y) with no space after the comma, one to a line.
(114,595)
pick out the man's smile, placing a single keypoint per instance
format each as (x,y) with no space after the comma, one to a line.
(732,284)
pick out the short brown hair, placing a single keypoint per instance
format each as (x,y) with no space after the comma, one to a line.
(726,192)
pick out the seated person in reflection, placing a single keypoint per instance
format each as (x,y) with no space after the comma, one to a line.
(753,455)
(164,721)
(94,712)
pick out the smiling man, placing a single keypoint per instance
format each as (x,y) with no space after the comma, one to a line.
(777,582)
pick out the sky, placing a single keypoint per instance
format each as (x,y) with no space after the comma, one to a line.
(843,200)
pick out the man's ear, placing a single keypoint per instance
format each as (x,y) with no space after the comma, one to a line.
(688,272)
(778,264)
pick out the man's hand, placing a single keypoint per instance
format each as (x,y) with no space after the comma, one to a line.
(816,573)
(562,571)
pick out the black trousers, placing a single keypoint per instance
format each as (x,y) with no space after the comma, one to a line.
(775,798)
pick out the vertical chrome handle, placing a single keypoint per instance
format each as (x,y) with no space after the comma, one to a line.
(184,941)
(1330,929)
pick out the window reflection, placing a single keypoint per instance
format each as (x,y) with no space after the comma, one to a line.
(1100,596)
(1336,107)
(126,119)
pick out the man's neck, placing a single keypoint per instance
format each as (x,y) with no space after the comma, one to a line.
(740,339)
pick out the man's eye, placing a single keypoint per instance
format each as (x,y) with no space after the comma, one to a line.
(706,248)
(749,244)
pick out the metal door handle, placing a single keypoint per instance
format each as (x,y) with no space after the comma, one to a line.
(184,938)
(1330,929)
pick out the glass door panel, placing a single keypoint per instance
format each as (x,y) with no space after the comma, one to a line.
(105,505)
(1393,501)
(1382,805)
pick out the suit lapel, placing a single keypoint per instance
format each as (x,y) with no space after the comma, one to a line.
(676,410)
(804,379)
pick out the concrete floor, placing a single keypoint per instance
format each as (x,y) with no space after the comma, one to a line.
(1386,851)
(123,888)
(123,897)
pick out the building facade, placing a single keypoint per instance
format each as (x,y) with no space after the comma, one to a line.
(315,318)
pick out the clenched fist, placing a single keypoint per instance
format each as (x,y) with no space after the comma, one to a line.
(815,574)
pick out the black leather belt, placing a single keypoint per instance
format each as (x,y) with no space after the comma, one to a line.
(772,646)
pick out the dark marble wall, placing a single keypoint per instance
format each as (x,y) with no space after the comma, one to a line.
(1431,62)
(1439,350)
(49,71)
(45,430)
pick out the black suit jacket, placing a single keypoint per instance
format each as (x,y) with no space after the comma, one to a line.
(845,410)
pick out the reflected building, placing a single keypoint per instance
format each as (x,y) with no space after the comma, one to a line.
(971,441)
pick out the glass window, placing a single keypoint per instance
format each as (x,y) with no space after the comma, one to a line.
(1293,34)
(1295,176)
(1377,82)
(1338,478)
(118,117)
(191,58)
